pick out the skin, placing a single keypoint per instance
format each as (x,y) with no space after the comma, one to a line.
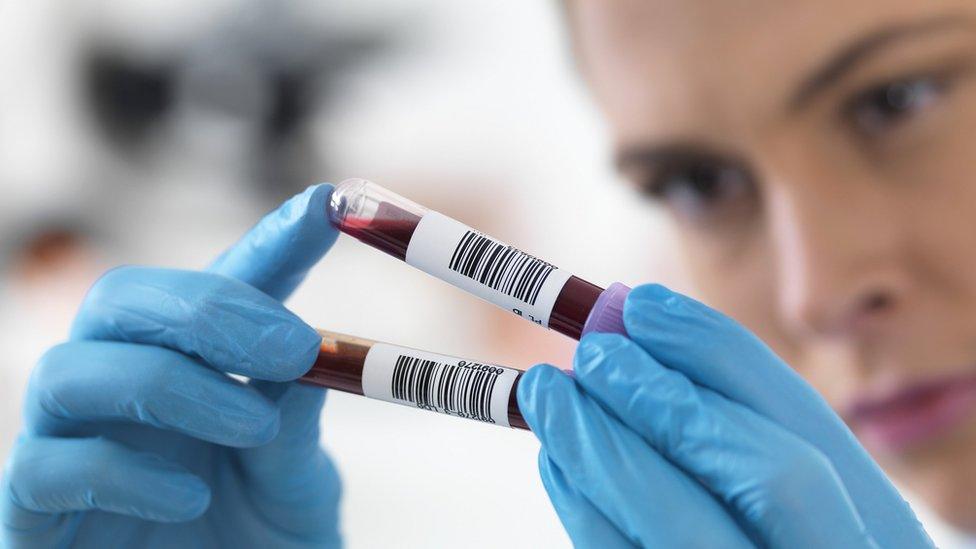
(841,226)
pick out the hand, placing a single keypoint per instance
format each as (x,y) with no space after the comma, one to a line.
(136,437)
(692,433)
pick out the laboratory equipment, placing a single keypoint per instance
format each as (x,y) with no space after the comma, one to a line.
(475,262)
(440,383)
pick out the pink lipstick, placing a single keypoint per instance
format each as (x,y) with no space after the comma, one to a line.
(916,413)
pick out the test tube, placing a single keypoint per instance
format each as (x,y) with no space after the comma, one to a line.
(440,383)
(475,262)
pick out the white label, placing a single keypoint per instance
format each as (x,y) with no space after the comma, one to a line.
(440,383)
(485,267)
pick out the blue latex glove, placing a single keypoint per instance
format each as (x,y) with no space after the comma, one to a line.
(136,437)
(693,433)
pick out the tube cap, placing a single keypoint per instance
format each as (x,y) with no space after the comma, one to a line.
(607,315)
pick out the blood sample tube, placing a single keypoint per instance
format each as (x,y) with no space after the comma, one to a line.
(450,385)
(475,262)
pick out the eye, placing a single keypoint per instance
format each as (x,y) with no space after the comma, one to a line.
(883,107)
(703,190)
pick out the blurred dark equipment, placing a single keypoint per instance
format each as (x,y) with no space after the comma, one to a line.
(128,97)
(262,68)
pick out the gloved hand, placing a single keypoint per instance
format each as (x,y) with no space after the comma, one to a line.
(136,437)
(692,433)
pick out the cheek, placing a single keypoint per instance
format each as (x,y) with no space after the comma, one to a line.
(936,188)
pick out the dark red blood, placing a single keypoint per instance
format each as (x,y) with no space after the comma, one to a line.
(573,306)
(390,230)
(515,418)
(339,366)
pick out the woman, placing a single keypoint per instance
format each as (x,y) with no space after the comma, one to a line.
(821,186)
(820,190)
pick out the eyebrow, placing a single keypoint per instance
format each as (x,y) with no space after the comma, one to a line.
(852,55)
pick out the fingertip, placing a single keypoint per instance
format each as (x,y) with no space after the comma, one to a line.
(54,475)
(644,303)
(534,381)
(654,292)
(259,426)
(285,349)
(100,291)
(275,255)
(538,390)
(309,207)
(319,192)
(589,347)
(310,204)
(307,349)
(319,195)
(653,301)
(594,349)
(241,417)
(166,490)
(310,210)
(190,503)
(263,432)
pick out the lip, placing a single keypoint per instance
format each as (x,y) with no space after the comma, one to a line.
(915,413)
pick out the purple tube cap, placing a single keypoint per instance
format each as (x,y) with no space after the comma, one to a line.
(607,315)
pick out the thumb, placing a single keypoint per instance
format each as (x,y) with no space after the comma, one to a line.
(276,254)
(291,480)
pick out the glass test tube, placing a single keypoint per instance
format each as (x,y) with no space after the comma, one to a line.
(430,381)
(475,262)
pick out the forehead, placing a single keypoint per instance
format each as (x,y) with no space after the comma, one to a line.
(683,66)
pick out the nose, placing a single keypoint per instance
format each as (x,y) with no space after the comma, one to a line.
(837,246)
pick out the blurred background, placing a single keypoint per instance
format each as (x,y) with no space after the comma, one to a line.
(156,132)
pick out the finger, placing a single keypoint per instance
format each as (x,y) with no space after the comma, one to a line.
(277,253)
(586,526)
(230,325)
(55,475)
(291,480)
(768,475)
(78,383)
(714,351)
(646,498)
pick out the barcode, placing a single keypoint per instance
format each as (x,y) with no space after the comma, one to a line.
(500,267)
(464,389)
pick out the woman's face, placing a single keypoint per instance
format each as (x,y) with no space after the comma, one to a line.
(817,157)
